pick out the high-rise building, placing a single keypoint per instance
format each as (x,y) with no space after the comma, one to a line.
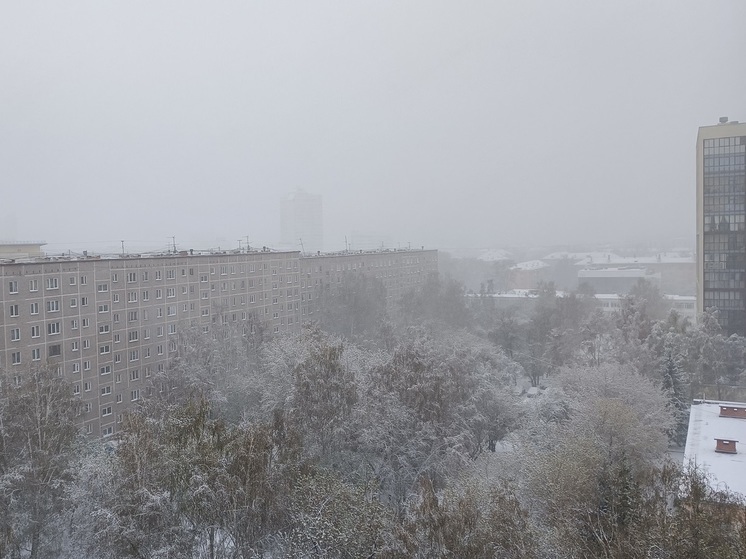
(301,222)
(721,223)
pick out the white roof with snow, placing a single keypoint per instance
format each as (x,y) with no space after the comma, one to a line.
(530,265)
(706,425)
(609,258)
(495,255)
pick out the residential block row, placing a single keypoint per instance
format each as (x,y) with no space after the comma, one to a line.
(110,324)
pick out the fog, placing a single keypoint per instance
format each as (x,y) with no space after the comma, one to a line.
(444,124)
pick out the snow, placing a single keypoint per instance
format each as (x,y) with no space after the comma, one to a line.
(705,425)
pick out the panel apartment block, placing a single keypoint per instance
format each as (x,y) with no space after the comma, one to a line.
(110,323)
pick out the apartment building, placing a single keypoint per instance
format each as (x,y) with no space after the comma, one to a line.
(721,223)
(109,324)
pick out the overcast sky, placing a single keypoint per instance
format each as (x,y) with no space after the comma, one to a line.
(448,124)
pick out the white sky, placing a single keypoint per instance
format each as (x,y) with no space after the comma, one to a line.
(448,124)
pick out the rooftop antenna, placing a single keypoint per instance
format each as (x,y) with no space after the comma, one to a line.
(248,246)
(122,248)
(302,250)
(239,244)
(173,239)
(347,248)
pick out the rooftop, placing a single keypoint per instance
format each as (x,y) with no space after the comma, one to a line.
(705,426)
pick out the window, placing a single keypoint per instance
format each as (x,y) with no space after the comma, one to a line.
(119,398)
(146,333)
(158,275)
(87,386)
(76,367)
(73,280)
(84,301)
(118,377)
(159,331)
(134,355)
(146,352)
(135,394)
(15,358)
(106,411)
(83,280)
(13,286)
(115,318)
(86,344)
(55,350)
(36,354)
(107,431)
(145,296)
(117,358)
(133,336)
(86,365)
(53,306)
(159,349)
(172,310)
(159,294)
(53,283)
(102,287)
(103,329)
(205,312)
(73,302)
(106,348)
(33,285)
(114,277)
(76,389)
(131,277)
(172,328)
(106,390)
(115,298)
(170,274)
(145,276)
(103,308)
(34,309)
(172,346)
(116,338)
(132,316)
(171,292)
(183,290)
(75,345)
(86,323)
(105,370)
(53,328)
(15,334)
(203,294)
(132,297)
(135,375)
(203,278)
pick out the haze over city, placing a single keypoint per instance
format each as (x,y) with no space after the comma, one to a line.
(442,124)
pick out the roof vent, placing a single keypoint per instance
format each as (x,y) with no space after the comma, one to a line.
(723,119)
(727,446)
(733,411)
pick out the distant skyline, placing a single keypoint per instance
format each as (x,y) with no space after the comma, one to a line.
(436,123)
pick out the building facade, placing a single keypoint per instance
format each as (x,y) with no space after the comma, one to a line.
(109,324)
(721,223)
(302,223)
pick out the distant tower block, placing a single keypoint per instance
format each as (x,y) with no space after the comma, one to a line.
(301,219)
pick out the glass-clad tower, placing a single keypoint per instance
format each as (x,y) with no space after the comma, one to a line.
(721,223)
